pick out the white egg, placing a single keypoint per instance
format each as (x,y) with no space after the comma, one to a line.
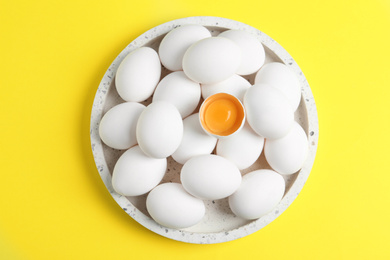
(243,148)
(211,60)
(179,90)
(281,77)
(171,206)
(287,155)
(117,128)
(253,54)
(259,192)
(210,177)
(269,113)
(136,173)
(194,142)
(138,74)
(176,42)
(234,85)
(159,129)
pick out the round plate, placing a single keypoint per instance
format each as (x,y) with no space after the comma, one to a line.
(219,223)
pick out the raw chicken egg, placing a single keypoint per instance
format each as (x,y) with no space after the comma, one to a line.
(210,177)
(259,192)
(253,54)
(194,142)
(179,90)
(268,111)
(281,77)
(159,129)
(176,42)
(138,74)
(117,128)
(171,206)
(243,148)
(287,155)
(136,173)
(211,60)
(222,115)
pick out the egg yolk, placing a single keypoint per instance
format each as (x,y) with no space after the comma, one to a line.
(221,114)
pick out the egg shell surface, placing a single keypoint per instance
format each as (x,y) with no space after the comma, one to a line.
(138,75)
(194,142)
(210,177)
(253,54)
(269,113)
(159,129)
(117,129)
(179,90)
(171,206)
(176,42)
(259,192)
(281,77)
(211,60)
(135,173)
(234,85)
(242,148)
(287,155)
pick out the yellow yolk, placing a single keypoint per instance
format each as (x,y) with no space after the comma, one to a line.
(221,114)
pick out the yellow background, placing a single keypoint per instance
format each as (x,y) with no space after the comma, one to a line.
(53,204)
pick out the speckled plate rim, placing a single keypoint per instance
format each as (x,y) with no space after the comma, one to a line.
(185,236)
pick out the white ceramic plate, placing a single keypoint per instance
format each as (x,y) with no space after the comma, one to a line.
(219,223)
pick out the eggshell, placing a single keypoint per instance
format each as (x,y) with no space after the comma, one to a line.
(234,85)
(136,173)
(138,74)
(253,54)
(287,155)
(176,42)
(171,206)
(117,128)
(259,192)
(159,129)
(222,115)
(281,77)
(243,148)
(179,90)
(194,142)
(211,60)
(269,113)
(210,177)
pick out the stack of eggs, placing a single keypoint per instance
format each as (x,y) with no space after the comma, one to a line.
(234,124)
